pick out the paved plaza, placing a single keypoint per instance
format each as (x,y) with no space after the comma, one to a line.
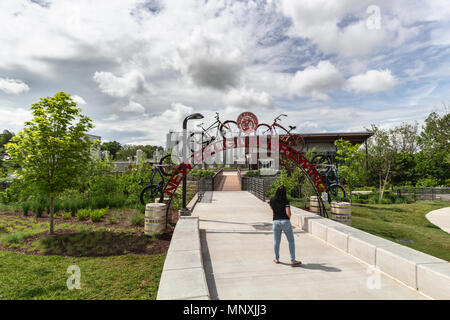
(237,247)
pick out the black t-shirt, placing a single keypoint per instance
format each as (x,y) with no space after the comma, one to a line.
(279,209)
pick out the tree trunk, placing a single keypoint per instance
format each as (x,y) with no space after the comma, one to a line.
(51,215)
(385,181)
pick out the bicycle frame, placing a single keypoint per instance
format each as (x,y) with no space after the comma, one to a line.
(152,176)
(333,171)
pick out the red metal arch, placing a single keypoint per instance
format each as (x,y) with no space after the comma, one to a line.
(307,167)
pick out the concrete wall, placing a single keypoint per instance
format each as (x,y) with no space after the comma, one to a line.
(183,276)
(420,271)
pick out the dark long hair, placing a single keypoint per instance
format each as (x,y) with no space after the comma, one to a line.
(280,195)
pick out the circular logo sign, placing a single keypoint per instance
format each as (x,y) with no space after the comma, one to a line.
(247,122)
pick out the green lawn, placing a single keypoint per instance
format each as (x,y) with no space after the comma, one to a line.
(25,276)
(405,221)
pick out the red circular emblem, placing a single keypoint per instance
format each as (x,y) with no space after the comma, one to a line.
(247,122)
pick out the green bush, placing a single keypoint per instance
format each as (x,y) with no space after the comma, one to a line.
(66,215)
(202,173)
(253,173)
(38,205)
(386,201)
(114,218)
(136,218)
(97,214)
(25,208)
(13,238)
(83,214)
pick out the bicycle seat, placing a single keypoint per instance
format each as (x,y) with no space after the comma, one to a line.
(292,127)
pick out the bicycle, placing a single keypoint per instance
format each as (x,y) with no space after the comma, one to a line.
(328,171)
(285,135)
(207,136)
(154,190)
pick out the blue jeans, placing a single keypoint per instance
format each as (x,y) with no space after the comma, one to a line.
(285,226)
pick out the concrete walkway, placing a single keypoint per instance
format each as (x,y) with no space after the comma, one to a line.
(440,218)
(237,247)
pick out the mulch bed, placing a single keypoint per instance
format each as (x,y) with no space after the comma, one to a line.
(66,242)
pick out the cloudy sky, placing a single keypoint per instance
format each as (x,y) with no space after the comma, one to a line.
(138,67)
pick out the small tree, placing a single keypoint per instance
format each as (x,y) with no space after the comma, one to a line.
(350,159)
(53,148)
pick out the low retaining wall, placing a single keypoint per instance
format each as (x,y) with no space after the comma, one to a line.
(427,274)
(183,276)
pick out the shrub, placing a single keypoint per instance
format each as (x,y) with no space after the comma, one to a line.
(136,218)
(253,173)
(114,218)
(74,205)
(96,215)
(83,214)
(386,201)
(38,206)
(25,208)
(66,215)
(12,238)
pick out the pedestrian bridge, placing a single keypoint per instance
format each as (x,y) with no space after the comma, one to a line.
(225,251)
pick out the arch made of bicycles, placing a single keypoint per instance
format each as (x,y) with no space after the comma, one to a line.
(284,150)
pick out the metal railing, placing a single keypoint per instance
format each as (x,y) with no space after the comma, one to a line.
(424,193)
(217,179)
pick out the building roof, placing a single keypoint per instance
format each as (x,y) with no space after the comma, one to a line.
(328,137)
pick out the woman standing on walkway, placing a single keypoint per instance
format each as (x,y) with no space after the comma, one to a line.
(281,222)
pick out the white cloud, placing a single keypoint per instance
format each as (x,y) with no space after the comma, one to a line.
(210,61)
(133,107)
(315,81)
(13,86)
(120,87)
(246,99)
(79,100)
(13,118)
(220,55)
(372,81)
(319,21)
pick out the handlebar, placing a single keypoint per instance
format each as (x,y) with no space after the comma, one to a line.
(279,117)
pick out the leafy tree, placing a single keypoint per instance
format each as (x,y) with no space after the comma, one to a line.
(404,138)
(403,169)
(53,148)
(112,147)
(129,151)
(434,142)
(381,156)
(350,163)
(4,138)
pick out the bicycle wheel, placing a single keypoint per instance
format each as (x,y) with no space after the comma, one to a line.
(263,130)
(229,129)
(322,163)
(150,193)
(336,193)
(168,165)
(197,140)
